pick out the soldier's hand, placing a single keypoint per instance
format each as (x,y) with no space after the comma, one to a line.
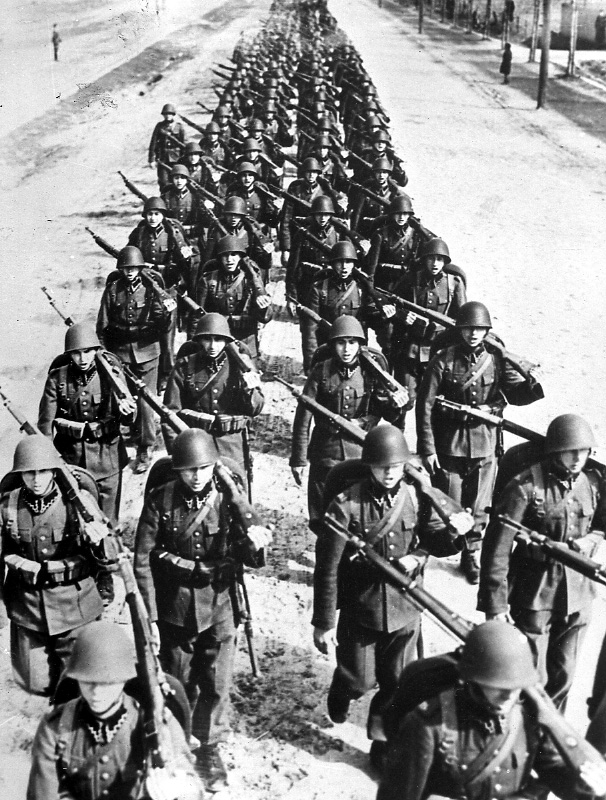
(594,775)
(263,301)
(410,564)
(259,536)
(95,531)
(432,463)
(342,202)
(461,522)
(323,640)
(411,318)
(388,311)
(170,784)
(586,545)
(268,247)
(252,379)
(284,257)
(278,203)
(292,308)
(127,406)
(400,398)
(155,634)
(365,246)
(186,251)
(297,473)
(169,304)
(502,616)
(152,165)
(209,203)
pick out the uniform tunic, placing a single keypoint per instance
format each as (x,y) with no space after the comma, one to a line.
(292,210)
(393,250)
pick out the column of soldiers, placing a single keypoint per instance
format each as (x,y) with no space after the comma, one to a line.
(357,263)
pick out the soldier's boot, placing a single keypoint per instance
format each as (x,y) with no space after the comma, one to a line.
(337,703)
(378,751)
(211,768)
(470,565)
(144,459)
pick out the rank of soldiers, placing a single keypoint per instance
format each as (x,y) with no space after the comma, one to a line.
(144,715)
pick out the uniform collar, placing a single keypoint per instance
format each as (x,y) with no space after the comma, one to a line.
(36,504)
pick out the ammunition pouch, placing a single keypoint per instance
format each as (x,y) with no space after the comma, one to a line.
(196,419)
(227,423)
(47,574)
(70,428)
(194,574)
(87,431)
(218,426)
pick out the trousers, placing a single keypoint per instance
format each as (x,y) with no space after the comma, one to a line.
(38,659)
(469,482)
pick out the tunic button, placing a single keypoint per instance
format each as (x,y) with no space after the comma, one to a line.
(392,547)
(198,545)
(248,515)
(104,759)
(42,538)
(74,770)
(391,533)
(497,787)
(45,549)
(104,776)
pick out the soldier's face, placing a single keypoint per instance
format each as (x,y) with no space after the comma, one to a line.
(213,138)
(38,481)
(474,336)
(232,220)
(213,346)
(311,176)
(381,176)
(169,117)
(230,261)
(322,152)
(252,156)
(247,179)
(400,218)
(196,478)
(322,219)
(83,359)
(388,475)
(101,697)
(179,181)
(434,264)
(499,701)
(153,218)
(343,268)
(380,147)
(347,349)
(130,273)
(574,460)
(194,159)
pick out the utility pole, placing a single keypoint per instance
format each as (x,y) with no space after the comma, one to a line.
(545,45)
(574,32)
(534,35)
(487,24)
(421,13)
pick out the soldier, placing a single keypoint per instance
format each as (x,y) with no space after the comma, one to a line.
(93,747)
(182,204)
(394,245)
(307,189)
(563,499)
(211,383)
(234,220)
(460,453)
(231,286)
(378,628)
(131,322)
(380,146)
(441,748)
(343,384)
(193,536)
(198,170)
(212,146)
(365,209)
(433,288)
(48,588)
(259,206)
(161,148)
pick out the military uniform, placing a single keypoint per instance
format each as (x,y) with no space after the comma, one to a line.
(292,210)
(183,206)
(130,323)
(187,551)
(466,448)
(392,254)
(378,626)
(48,590)
(252,240)
(213,386)
(332,297)
(80,413)
(366,209)
(161,148)
(549,602)
(439,746)
(351,391)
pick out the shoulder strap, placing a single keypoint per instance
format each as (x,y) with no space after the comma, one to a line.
(202,513)
(66,726)
(538,483)
(380,528)
(478,369)
(11,513)
(496,752)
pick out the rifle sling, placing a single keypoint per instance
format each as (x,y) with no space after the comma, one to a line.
(384,525)
(478,369)
(203,512)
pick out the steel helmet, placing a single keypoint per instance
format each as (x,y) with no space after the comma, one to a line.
(569,432)
(251,144)
(213,325)
(384,445)
(231,244)
(382,164)
(130,256)
(168,108)
(401,203)
(222,111)
(269,106)
(473,315)
(256,125)
(212,127)
(192,148)
(179,169)
(498,655)
(271,83)
(102,653)
(247,166)
(81,336)
(436,247)
(35,452)
(346,327)
(374,122)
(324,124)
(154,204)
(322,141)
(235,205)
(311,165)
(344,250)
(322,205)
(380,136)
(193,448)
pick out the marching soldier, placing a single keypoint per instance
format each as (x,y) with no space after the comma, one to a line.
(378,626)
(213,147)
(199,171)
(259,207)
(93,747)
(193,536)
(48,588)
(235,221)
(231,286)
(181,203)
(433,288)
(161,148)
(564,500)
(307,189)
(460,453)
(478,739)
(217,394)
(394,245)
(343,384)
(365,209)
(131,322)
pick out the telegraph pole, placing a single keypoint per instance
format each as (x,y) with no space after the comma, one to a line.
(545,44)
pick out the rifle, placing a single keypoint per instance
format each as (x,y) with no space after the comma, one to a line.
(204,108)
(177,142)
(132,188)
(148,667)
(67,320)
(559,551)
(197,187)
(521,365)
(444,506)
(358,240)
(220,74)
(103,243)
(192,124)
